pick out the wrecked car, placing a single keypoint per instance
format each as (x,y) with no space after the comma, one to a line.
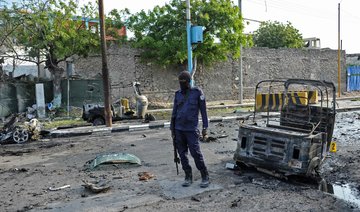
(12,132)
(95,112)
(296,135)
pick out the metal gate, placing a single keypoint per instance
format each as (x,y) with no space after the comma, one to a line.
(353,78)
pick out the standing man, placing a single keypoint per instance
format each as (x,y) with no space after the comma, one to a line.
(184,127)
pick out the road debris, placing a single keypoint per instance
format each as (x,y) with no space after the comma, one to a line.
(96,187)
(115,158)
(12,131)
(235,203)
(222,136)
(21,169)
(34,127)
(195,199)
(213,138)
(145,176)
(58,188)
(231,166)
(219,125)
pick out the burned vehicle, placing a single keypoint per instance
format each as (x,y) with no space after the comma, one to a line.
(11,132)
(294,135)
(95,112)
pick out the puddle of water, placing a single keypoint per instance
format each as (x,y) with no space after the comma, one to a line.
(346,193)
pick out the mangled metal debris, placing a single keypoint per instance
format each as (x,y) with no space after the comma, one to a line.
(213,138)
(14,132)
(96,187)
(115,158)
(34,127)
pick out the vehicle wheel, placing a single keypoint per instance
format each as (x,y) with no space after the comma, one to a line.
(20,136)
(98,121)
(149,117)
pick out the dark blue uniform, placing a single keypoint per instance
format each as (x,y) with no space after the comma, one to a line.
(185,118)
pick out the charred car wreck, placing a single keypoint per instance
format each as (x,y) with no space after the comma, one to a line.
(12,132)
(296,136)
(95,113)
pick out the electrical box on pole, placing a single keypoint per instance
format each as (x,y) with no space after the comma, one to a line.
(196,34)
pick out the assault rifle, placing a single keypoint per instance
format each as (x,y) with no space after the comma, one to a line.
(176,158)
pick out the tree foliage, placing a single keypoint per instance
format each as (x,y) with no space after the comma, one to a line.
(6,26)
(277,35)
(114,22)
(161,32)
(53,29)
(49,32)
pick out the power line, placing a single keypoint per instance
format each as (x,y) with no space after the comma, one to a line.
(279,4)
(253,20)
(349,14)
(294,8)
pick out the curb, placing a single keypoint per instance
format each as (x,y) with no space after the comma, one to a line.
(72,133)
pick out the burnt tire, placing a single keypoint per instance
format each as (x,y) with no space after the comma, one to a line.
(98,121)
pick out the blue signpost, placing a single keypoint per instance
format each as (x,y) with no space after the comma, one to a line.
(194,36)
(188,33)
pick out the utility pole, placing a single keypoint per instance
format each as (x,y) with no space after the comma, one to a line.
(105,70)
(339,67)
(241,89)
(188,39)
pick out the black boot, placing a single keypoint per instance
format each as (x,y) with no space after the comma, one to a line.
(204,179)
(188,178)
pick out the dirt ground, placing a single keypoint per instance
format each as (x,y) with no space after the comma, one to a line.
(28,171)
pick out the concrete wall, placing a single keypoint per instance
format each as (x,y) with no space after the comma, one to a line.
(16,97)
(318,64)
(81,92)
(353,59)
(219,82)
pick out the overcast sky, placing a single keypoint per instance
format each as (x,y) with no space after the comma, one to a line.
(313,18)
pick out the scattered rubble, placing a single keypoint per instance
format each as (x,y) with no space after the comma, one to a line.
(96,187)
(58,188)
(145,176)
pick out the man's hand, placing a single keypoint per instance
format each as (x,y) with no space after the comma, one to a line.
(173,134)
(204,134)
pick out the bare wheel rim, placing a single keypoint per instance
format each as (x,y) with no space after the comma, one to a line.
(98,121)
(20,136)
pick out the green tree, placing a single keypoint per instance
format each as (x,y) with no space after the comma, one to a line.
(277,35)
(50,32)
(161,32)
(5,28)
(114,23)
